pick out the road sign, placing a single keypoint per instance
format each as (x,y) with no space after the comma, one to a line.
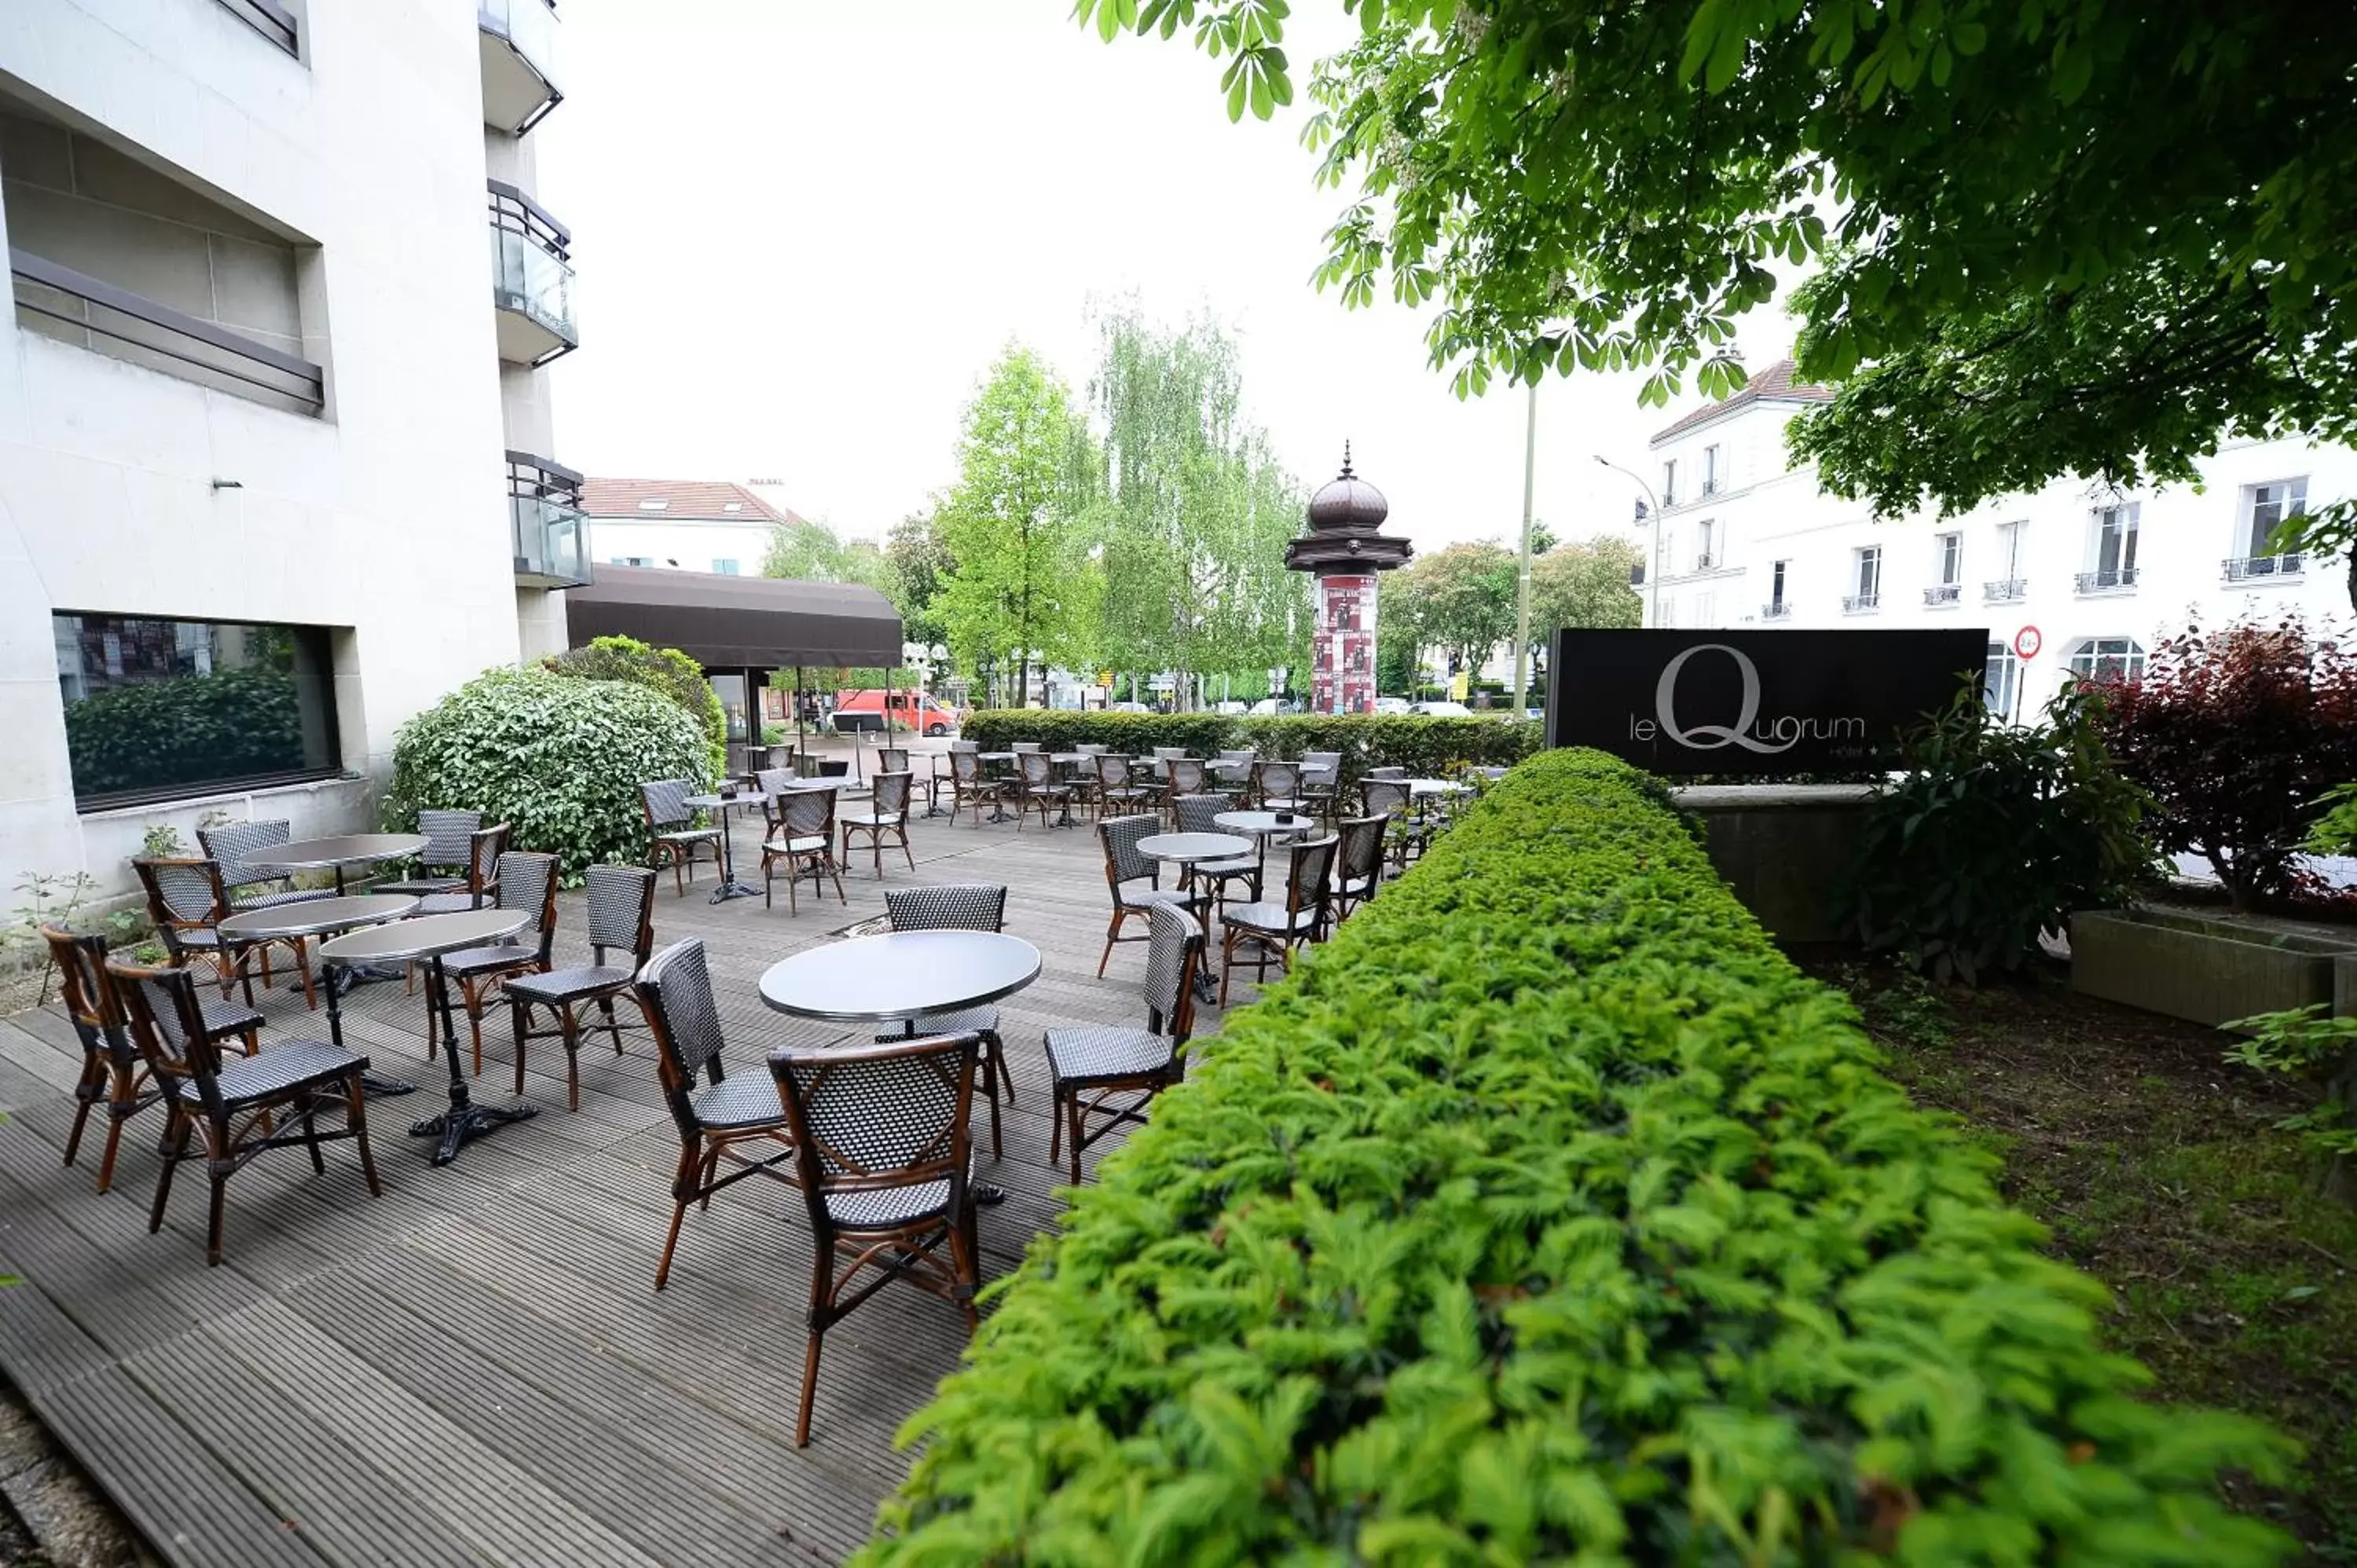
(2028,641)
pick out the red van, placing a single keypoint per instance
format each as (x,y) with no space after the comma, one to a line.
(919,712)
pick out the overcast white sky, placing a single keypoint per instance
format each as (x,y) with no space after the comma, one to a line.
(803,231)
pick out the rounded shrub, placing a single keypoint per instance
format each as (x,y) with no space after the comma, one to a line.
(664,669)
(560,759)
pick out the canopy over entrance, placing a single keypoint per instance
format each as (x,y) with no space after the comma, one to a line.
(737,623)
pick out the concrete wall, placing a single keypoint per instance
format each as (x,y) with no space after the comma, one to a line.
(386,520)
(1786,850)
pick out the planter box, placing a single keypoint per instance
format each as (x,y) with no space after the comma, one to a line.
(1786,849)
(2205,970)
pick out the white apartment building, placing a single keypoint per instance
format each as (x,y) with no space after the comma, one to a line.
(273,471)
(2076,578)
(689,525)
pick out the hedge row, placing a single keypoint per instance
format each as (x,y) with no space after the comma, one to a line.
(1423,746)
(1549,1213)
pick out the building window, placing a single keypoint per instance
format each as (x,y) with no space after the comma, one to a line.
(2112,549)
(2265,508)
(725,564)
(1706,609)
(2001,684)
(1706,544)
(159,709)
(651,505)
(2108,658)
(1710,470)
(1950,547)
(732,506)
(1866,578)
(1776,574)
(1669,483)
(631,560)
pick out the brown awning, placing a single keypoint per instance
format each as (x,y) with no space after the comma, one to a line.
(737,623)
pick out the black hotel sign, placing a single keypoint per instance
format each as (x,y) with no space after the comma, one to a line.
(1753,701)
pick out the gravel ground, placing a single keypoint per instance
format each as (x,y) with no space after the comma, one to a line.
(50,1517)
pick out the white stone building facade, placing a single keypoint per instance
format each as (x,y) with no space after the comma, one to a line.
(262,391)
(2077,577)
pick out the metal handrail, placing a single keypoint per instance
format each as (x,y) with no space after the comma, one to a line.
(2004,589)
(311,381)
(1774,612)
(269,19)
(1943,592)
(2246,568)
(517,213)
(2103,582)
(1853,603)
(543,479)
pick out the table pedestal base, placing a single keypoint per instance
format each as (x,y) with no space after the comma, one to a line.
(386,1088)
(732,889)
(464,1122)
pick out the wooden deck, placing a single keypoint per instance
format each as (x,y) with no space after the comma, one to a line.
(475,1368)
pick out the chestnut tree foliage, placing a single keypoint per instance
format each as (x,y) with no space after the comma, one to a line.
(2041,236)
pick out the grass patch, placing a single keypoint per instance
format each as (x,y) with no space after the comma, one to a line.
(2158,1166)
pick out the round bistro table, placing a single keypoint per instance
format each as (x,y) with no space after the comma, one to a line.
(326,917)
(1183,850)
(1261,827)
(428,939)
(729,886)
(336,853)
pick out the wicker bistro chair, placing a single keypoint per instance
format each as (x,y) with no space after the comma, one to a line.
(1199,814)
(883,1139)
(1276,787)
(528,887)
(969,907)
(113,1072)
(1358,862)
(1117,786)
(1038,789)
(446,864)
(187,901)
(1235,767)
(486,848)
(1321,782)
(887,812)
(232,845)
(968,786)
(774,780)
(1091,1065)
(802,836)
(1388,798)
(232,1106)
(1124,864)
(672,837)
(738,1122)
(622,920)
(1275,929)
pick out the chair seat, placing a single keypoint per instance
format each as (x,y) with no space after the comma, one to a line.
(422,886)
(275,900)
(227,1017)
(810,845)
(486,960)
(1127,793)
(1084,1054)
(1356,887)
(750,1100)
(569,985)
(873,819)
(1052,791)
(1270,919)
(966,1020)
(1245,867)
(689,835)
(1147,897)
(892,1208)
(446,904)
(293,1065)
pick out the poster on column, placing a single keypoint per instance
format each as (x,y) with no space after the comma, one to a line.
(1345,660)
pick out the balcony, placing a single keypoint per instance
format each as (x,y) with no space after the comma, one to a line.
(1860,604)
(74,307)
(1705,562)
(1942,594)
(269,19)
(2004,592)
(518,40)
(551,536)
(2121,580)
(531,279)
(1778,611)
(2264,568)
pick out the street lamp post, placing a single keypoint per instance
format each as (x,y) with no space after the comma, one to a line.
(1522,579)
(1653,561)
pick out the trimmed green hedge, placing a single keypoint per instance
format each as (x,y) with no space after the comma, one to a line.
(234,723)
(1424,747)
(1548,1212)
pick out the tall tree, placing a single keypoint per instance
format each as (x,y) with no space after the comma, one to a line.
(1459,599)
(813,551)
(1015,584)
(919,563)
(2049,237)
(1584,584)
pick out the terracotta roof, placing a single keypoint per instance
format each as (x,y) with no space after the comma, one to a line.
(697,499)
(1774,384)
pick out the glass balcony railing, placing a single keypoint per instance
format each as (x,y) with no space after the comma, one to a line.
(531,279)
(551,536)
(519,59)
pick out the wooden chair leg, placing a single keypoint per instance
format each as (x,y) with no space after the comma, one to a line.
(520,1027)
(355,1117)
(822,1287)
(307,1108)
(113,1144)
(1055,1124)
(682,1187)
(215,1204)
(87,1094)
(303,962)
(175,1149)
(569,1034)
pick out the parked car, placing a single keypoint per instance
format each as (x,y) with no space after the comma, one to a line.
(1394,706)
(1441,710)
(1270,707)
(1231,709)
(1128,708)
(909,708)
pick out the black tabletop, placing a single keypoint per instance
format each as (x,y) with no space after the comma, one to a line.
(426,936)
(345,849)
(901,975)
(316,916)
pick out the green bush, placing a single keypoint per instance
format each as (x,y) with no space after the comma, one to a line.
(1995,833)
(1424,747)
(665,670)
(1547,1212)
(560,759)
(233,724)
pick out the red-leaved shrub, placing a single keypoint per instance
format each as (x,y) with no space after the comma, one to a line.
(2238,734)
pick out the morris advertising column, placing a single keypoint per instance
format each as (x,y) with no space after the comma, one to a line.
(1343,548)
